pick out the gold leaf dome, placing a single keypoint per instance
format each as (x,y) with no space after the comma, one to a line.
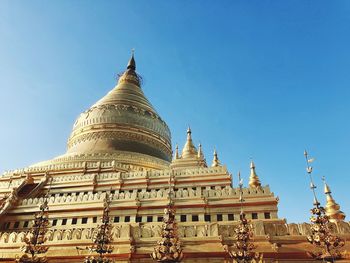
(122,121)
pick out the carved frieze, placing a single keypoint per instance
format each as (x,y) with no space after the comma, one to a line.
(305,229)
(293,229)
(258,228)
(343,227)
(270,229)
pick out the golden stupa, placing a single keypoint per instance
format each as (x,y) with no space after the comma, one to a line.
(121,147)
(122,127)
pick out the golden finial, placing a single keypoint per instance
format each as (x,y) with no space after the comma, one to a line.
(132,63)
(130,75)
(189,132)
(216,161)
(332,208)
(254,180)
(200,152)
(176,156)
(189,151)
(327,189)
(200,156)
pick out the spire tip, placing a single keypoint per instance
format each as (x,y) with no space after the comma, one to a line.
(216,161)
(132,63)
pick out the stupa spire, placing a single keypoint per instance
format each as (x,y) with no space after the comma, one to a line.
(132,63)
(254,180)
(130,75)
(189,133)
(216,161)
(332,208)
(189,150)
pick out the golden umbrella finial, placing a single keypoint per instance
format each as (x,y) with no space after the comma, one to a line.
(132,63)
(189,132)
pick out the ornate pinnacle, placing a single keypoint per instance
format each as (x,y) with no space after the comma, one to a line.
(254,180)
(200,152)
(35,238)
(176,156)
(200,156)
(189,150)
(132,63)
(130,75)
(332,208)
(243,248)
(327,245)
(189,132)
(216,161)
(103,237)
(309,171)
(168,248)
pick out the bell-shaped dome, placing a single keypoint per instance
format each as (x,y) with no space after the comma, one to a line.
(122,121)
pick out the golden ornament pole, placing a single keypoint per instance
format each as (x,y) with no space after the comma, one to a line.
(326,244)
(168,248)
(103,238)
(35,239)
(243,247)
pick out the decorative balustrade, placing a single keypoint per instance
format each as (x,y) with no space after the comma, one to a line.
(139,231)
(56,199)
(145,194)
(135,230)
(73,178)
(86,165)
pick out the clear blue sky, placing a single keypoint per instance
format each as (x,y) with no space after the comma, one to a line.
(261,79)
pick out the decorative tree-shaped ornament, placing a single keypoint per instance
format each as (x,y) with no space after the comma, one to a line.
(327,245)
(243,248)
(35,238)
(168,248)
(103,237)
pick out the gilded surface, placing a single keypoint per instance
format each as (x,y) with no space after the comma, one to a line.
(119,120)
(136,177)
